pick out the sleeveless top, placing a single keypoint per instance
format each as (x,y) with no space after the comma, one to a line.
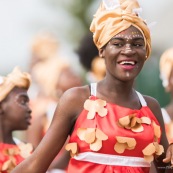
(108,138)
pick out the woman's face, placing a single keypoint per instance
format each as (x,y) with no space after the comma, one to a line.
(17,113)
(125,54)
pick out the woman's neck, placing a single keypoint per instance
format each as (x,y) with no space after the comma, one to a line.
(123,88)
(5,134)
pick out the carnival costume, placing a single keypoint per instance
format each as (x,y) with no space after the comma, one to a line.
(107,138)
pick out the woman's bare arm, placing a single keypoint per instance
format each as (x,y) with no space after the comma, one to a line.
(155,108)
(69,106)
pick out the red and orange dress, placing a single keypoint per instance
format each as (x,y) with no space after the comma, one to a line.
(11,155)
(109,138)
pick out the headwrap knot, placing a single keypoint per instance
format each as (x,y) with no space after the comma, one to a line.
(14,79)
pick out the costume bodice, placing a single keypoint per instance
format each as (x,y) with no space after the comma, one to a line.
(106,128)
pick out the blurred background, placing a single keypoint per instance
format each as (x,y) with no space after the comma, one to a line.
(69,21)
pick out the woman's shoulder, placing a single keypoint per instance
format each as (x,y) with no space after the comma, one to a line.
(154,106)
(77,93)
(151,101)
(74,98)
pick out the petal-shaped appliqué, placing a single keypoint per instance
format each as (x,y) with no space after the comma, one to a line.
(134,123)
(97,145)
(146,120)
(157,131)
(73,148)
(25,149)
(81,133)
(9,165)
(100,135)
(95,106)
(92,136)
(120,148)
(124,143)
(151,149)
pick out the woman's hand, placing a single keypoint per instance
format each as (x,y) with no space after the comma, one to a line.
(169,155)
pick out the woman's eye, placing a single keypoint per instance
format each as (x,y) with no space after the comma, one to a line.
(23,101)
(138,44)
(118,44)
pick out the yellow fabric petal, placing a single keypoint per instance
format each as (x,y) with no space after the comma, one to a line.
(91,113)
(124,121)
(159,149)
(73,148)
(149,149)
(146,120)
(102,112)
(120,147)
(157,131)
(100,102)
(88,104)
(138,128)
(130,141)
(100,135)
(90,135)
(25,149)
(96,146)
(81,133)
(133,122)
(149,158)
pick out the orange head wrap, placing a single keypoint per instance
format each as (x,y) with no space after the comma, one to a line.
(47,75)
(12,80)
(109,22)
(44,46)
(166,66)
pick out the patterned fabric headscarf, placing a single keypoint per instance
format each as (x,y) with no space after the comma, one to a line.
(108,22)
(15,79)
(166,66)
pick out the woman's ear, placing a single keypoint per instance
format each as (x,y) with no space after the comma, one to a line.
(101,53)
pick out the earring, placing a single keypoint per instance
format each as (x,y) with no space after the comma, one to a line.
(101,56)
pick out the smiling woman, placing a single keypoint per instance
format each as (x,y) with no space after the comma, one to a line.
(131,47)
(112,127)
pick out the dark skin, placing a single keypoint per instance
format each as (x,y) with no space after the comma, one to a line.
(15,114)
(116,87)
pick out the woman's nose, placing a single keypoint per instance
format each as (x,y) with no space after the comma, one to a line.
(127,49)
(29,109)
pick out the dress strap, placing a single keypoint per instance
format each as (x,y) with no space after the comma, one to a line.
(17,141)
(93,89)
(141,98)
